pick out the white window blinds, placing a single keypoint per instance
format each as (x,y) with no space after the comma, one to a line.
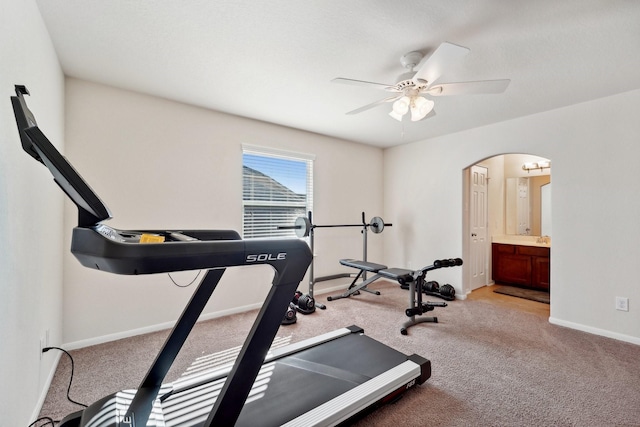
(277,187)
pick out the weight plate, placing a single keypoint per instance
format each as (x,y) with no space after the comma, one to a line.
(303,226)
(377,224)
(447,291)
(306,304)
(432,286)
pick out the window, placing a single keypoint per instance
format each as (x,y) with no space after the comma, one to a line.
(277,187)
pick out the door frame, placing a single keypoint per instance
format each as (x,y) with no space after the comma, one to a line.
(466,232)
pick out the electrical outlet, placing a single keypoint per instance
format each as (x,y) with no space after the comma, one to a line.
(622,303)
(42,345)
(44,342)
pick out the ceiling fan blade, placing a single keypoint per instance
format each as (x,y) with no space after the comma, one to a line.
(361,83)
(374,104)
(469,88)
(445,55)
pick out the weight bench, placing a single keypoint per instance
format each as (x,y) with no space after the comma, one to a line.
(363,266)
(415,279)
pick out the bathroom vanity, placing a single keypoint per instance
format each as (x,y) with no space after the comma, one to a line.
(521,261)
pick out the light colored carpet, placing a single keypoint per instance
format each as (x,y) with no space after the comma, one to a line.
(493,364)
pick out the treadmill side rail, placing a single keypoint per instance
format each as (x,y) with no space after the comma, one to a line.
(425,365)
(358,399)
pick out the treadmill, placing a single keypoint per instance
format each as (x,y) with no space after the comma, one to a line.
(322,381)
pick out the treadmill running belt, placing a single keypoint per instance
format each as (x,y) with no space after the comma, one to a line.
(294,384)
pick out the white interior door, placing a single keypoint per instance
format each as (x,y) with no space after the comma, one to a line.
(478,209)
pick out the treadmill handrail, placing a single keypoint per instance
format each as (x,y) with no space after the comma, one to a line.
(96,251)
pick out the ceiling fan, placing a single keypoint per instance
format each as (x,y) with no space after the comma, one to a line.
(409,93)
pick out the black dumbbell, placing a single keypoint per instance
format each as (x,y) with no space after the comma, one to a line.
(290,316)
(447,291)
(431,286)
(304,303)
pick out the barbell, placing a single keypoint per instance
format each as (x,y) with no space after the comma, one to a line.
(303,225)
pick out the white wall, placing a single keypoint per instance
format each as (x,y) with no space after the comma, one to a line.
(594,149)
(161,164)
(30,216)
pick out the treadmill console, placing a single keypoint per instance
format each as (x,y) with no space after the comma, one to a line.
(91,210)
(124,236)
(116,235)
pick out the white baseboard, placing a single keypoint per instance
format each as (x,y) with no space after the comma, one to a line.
(46,386)
(595,331)
(153,328)
(167,325)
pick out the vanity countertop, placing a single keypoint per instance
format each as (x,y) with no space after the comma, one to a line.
(522,240)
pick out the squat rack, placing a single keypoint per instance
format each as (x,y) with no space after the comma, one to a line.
(304,227)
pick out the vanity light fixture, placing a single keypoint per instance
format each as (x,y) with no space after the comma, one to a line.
(541,165)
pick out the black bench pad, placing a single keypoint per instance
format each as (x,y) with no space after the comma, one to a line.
(363,265)
(394,273)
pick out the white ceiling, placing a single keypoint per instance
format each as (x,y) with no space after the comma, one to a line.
(273,60)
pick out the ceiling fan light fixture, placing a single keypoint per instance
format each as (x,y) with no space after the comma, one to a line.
(400,108)
(395,115)
(420,107)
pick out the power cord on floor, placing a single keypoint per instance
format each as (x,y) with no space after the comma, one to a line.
(50,420)
(44,350)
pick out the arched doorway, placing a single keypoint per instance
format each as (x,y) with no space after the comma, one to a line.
(503,198)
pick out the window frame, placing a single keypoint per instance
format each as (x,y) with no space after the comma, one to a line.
(269,152)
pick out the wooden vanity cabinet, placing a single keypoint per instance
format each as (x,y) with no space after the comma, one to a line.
(521,265)
(541,273)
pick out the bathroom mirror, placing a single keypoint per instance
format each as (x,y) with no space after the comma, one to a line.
(527,195)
